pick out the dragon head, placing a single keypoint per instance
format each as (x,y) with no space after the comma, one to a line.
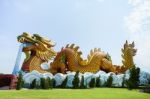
(35,39)
(37,44)
(130,48)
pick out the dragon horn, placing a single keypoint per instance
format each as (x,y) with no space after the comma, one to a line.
(88,57)
(76,48)
(126,42)
(99,49)
(132,44)
(67,45)
(79,53)
(95,49)
(72,45)
(91,52)
(62,48)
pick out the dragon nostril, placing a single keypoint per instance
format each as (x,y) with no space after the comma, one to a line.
(21,39)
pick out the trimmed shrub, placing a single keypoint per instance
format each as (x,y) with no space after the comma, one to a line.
(76,80)
(109,81)
(123,81)
(53,83)
(44,83)
(82,86)
(50,82)
(42,80)
(33,84)
(133,81)
(64,83)
(98,82)
(92,83)
(20,82)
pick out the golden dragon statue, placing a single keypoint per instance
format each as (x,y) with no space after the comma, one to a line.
(39,50)
(69,59)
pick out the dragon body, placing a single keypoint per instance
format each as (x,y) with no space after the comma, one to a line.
(69,59)
(38,50)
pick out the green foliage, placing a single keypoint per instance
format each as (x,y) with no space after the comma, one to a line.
(149,81)
(123,81)
(76,80)
(44,83)
(53,83)
(50,82)
(20,82)
(98,82)
(82,86)
(42,80)
(33,84)
(47,83)
(109,81)
(133,81)
(92,83)
(64,83)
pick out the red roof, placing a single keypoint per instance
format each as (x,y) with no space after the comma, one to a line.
(7,75)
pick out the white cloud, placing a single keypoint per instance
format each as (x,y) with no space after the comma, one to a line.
(138,25)
(135,2)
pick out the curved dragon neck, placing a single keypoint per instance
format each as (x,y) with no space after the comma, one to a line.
(33,63)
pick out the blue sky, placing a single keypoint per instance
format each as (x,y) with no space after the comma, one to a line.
(104,24)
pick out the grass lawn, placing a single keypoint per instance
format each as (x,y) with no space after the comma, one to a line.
(97,93)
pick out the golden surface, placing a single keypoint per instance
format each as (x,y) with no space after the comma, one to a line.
(38,52)
(69,58)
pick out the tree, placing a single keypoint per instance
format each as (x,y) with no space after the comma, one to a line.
(33,84)
(82,86)
(50,82)
(149,81)
(53,83)
(92,83)
(109,81)
(76,80)
(20,82)
(44,83)
(64,83)
(98,82)
(123,81)
(133,81)
(46,86)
